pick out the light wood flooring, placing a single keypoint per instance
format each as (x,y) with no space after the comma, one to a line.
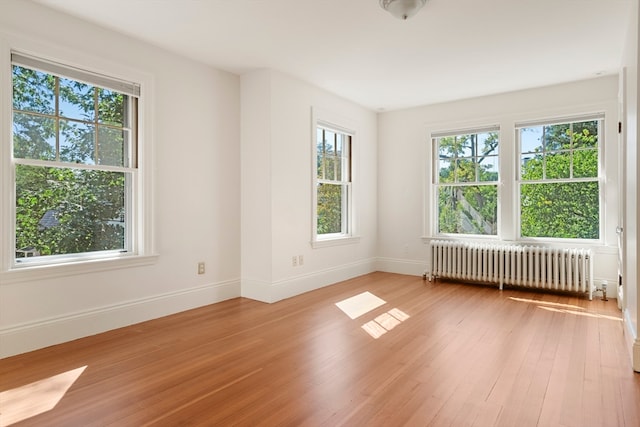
(447,354)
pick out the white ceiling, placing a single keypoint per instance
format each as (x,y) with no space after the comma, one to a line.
(452,49)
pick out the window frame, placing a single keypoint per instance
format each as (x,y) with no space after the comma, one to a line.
(599,179)
(332,123)
(139,209)
(436,184)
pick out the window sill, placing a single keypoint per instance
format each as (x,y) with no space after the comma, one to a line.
(49,271)
(335,241)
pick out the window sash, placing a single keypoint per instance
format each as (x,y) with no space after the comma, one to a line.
(546,153)
(345,211)
(475,157)
(483,225)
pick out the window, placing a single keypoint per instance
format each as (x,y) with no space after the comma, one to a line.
(333,183)
(74,163)
(466,181)
(559,179)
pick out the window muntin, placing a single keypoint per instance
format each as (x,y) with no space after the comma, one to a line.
(333,183)
(467,165)
(559,179)
(74,162)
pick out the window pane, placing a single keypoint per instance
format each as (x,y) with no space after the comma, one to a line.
(562,210)
(447,146)
(338,167)
(558,165)
(468,209)
(488,168)
(68,211)
(77,142)
(468,158)
(330,210)
(330,167)
(465,145)
(557,137)
(531,140)
(466,170)
(319,165)
(34,137)
(339,145)
(111,146)
(585,134)
(447,171)
(111,108)
(33,91)
(77,100)
(585,163)
(488,144)
(531,167)
(329,142)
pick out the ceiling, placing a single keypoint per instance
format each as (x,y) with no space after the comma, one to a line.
(452,49)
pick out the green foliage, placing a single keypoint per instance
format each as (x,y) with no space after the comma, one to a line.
(88,207)
(562,209)
(63,209)
(468,209)
(472,159)
(329,208)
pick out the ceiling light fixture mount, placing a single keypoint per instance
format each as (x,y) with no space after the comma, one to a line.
(402,9)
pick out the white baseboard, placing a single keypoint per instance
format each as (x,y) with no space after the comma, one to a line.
(632,340)
(34,335)
(258,290)
(287,288)
(401,266)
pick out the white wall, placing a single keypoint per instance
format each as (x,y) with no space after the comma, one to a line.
(277,170)
(631,300)
(404,172)
(194,132)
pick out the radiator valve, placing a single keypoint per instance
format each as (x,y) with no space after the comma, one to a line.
(604,291)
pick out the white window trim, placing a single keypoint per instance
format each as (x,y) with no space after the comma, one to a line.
(143,244)
(322,118)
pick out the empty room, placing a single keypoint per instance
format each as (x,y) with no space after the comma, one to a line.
(319,213)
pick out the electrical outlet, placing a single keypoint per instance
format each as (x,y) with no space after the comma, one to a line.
(294,261)
(300,260)
(201,268)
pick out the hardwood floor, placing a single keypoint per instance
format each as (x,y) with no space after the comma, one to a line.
(465,356)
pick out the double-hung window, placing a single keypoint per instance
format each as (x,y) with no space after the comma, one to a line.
(466,181)
(333,183)
(74,163)
(559,182)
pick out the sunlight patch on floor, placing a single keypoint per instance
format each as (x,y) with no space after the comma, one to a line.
(385,322)
(565,308)
(360,304)
(582,313)
(556,304)
(33,399)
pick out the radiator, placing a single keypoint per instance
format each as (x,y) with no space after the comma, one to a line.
(558,269)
